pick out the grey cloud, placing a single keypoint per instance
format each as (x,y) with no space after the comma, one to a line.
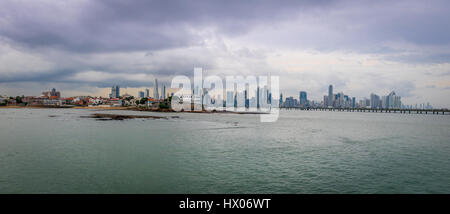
(420,58)
(80,36)
(438,73)
(112,25)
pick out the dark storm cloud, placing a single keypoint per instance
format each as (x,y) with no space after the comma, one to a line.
(75,37)
(56,76)
(113,25)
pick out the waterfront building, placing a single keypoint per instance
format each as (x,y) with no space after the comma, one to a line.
(115,102)
(325,101)
(391,101)
(375,101)
(303,98)
(330,96)
(289,102)
(257,97)
(141,94)
(155,90)
(115,92)
(230,99)
(163,93)
(281,99)
(52,94)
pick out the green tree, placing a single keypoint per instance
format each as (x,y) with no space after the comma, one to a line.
(163,105)
(129,98)
(19,99)
(144,100)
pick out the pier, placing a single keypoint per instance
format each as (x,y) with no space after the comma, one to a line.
(401,111)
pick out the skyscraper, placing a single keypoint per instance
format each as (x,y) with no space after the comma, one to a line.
(393,101)
(330,96)
(115,92)
(230,99)
(155,90)
(375,101)
(303,98)
(163,93)
(281,99)
(141,94)
(257,98)
(325,101)
(147,92)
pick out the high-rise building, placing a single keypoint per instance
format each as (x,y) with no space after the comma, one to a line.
(115,92)
(290,102)
(141,94)
(264,97)
(163,93)
(230,99)
(391,101)
(246,101)
(303,98)
(375,101)
(147,92)
(52,94)
(394,100)
(340,97)
(257,98)
(325,101)
(155,90)
(281,99)
(330,96)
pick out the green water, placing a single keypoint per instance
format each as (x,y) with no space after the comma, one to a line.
(303,152)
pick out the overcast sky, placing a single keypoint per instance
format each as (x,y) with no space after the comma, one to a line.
(361,47)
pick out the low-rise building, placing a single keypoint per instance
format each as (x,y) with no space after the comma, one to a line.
(115,102)
(3,101)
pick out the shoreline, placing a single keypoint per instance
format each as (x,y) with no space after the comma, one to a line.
(127,109)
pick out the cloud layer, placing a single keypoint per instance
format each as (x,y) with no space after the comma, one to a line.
(359,46)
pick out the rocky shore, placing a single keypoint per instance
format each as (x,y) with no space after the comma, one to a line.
(121,117)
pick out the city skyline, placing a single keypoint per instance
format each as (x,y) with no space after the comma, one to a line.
(400,46)
(262,96)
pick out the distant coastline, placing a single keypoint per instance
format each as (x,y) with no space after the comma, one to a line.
(129,108)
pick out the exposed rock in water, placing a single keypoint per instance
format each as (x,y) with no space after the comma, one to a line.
(105,117)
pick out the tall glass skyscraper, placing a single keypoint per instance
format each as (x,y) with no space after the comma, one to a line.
(115,92)
(155,90)
(303,98)
(330,96)
(163,93)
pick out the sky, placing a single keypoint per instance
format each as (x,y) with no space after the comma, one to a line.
(83,47)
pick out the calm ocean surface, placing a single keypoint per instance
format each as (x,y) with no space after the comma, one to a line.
(56,151)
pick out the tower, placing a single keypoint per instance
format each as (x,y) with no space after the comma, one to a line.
(163,93)
(330,96)
(155,90)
